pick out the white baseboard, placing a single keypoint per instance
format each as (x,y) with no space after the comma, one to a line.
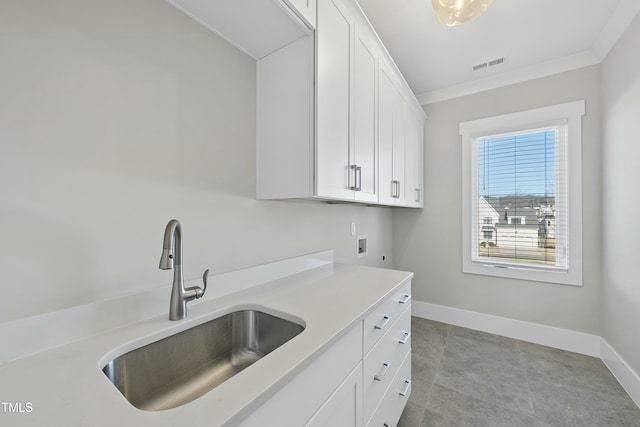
(629,380)
(563,339)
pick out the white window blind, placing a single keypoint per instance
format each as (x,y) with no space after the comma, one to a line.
(520,180)
(521,195)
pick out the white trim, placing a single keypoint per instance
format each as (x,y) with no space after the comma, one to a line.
(572,113)
(616,25)
(34,334)
(564,339)
(628,379)
(556,66)
(624,13)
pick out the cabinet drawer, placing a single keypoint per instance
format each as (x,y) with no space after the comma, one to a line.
(395,399)
(384,360)
(378,322)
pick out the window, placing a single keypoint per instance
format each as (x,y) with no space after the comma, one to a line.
(522,171)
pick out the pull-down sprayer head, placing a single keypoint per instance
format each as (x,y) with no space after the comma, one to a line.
(172,247)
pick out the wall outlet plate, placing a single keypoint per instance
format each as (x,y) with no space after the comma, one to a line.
(363,246)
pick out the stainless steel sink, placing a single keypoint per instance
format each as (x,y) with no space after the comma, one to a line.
(182,367)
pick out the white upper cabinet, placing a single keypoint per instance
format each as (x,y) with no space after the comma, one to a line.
(414,171)
(346,63)
(335,118)
(391,139)
(364,153)
(385,136)
(334,175)
(399,146)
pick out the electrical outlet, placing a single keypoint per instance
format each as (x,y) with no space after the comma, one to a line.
(362,246)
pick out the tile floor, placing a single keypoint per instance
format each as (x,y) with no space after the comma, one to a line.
(463,377)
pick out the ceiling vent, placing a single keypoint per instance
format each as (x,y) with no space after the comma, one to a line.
(488,64)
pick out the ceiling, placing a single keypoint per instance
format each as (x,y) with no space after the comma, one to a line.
(536,38)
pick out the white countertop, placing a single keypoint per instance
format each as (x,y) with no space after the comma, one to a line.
(67,387)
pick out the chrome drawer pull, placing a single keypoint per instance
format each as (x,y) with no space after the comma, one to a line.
(407,386)
(380,375)
(405,299)
(404,340)
(385,425)
(385,320)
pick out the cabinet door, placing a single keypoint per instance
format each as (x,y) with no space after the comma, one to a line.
(386,189)
(344,407)
(334,177)
(415,163)
(399,147)
(418,172)
(364,117)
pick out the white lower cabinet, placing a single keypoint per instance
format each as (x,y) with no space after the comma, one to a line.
(384,360)
(395,399)
(363,378)
(295,403)
(344,407)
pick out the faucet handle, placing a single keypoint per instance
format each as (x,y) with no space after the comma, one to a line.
(204,280)
(195,292)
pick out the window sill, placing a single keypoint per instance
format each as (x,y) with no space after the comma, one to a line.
(572,278)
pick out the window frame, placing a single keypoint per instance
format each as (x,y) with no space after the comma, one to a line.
(569,114)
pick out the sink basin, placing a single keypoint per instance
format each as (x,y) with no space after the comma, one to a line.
(182,367)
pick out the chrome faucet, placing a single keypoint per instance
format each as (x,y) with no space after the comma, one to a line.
(172,259)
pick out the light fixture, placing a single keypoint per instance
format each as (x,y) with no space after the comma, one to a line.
(457,12)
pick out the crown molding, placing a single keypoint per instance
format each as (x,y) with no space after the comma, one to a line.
(544,69)
(615,26)
(622,16)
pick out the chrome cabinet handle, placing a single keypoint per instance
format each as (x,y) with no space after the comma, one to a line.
(353,187)
(417,195)
(405,299)
(405,390)
(395,189)
(405,338)
(359,178)
(385,320)
(383,372)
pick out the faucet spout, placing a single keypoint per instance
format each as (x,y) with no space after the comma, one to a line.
(171,259)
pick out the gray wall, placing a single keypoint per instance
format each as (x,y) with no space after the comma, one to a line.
(116,116)
(621,124)
(429,242)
